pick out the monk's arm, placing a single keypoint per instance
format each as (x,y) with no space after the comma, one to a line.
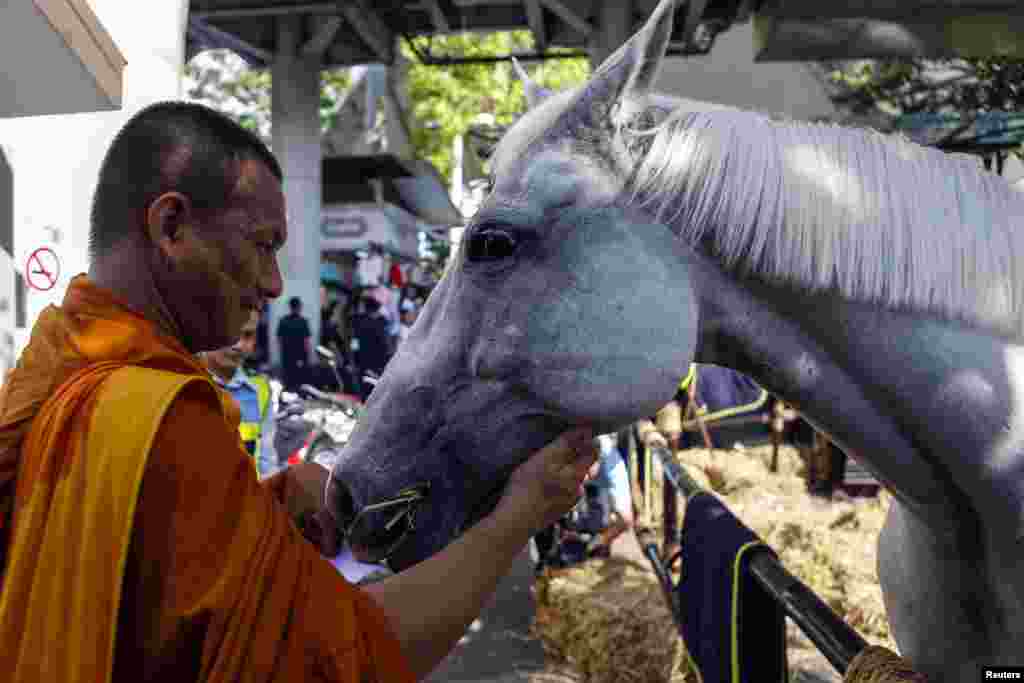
(431,604)
(218,574)
(234,555)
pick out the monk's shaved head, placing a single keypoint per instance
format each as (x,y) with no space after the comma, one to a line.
(170,147)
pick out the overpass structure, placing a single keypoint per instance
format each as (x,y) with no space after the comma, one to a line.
(359,31)
(296,39)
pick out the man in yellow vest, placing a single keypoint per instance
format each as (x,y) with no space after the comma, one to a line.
(252,393)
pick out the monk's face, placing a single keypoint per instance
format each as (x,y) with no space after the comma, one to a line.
(225,267)
(227,360)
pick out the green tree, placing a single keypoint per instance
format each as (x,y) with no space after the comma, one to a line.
(222,80)
(923,85)
(446,99)
(881,91)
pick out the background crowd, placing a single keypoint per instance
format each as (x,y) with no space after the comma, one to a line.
(362,326)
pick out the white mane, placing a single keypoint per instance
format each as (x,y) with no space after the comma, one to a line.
(816,206)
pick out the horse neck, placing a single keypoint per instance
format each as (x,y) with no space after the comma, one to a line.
(880,221)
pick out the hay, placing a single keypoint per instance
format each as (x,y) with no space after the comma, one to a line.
(607,620)
(830,546)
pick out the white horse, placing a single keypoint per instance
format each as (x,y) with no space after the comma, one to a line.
(874,284)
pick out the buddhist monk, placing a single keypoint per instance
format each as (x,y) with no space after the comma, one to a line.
(137,542)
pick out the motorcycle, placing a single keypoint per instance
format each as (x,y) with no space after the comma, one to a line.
(313,425)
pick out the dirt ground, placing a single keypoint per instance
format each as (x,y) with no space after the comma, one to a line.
(606,620)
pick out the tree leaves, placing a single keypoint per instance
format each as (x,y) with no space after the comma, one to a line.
(446,100)
(889,88)
(222,80)
(917,85)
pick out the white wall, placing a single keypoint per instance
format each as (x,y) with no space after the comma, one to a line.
(55,159)
(7,350)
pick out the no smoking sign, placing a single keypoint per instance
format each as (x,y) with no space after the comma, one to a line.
(42,269)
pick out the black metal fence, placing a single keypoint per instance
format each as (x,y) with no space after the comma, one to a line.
(836,640)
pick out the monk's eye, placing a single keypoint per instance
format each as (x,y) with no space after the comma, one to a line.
(490,244)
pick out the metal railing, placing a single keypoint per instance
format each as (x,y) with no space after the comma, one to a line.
(836,640)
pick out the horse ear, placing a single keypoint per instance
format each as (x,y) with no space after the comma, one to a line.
(630,72)
(535,93)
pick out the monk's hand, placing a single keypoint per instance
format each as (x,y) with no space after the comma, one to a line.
(549,483)
(300,489)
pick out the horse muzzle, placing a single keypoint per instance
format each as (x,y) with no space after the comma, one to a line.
(378,529)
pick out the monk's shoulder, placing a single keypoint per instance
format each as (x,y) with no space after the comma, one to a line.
(194,436)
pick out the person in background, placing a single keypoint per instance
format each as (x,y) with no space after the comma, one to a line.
(371,341)
(329,305)
(294,335)
(344,310)
(389,308)
(612,481)
(409,313)
(320,373)
(252,393)
(665,430)
(259,359)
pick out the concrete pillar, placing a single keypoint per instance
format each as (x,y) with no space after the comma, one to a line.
(396,106)
(295,130)
(615,23)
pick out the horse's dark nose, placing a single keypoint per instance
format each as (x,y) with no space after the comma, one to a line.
(378,531)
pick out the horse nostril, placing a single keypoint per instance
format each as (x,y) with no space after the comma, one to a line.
(339,502)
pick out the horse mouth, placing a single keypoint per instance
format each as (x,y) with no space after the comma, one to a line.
(381,533)
(380,529)
(379,545)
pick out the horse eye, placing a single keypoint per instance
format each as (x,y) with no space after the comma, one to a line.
(490,245)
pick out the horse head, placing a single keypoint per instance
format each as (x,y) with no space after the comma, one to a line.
(539,324)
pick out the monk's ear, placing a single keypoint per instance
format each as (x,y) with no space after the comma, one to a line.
(167,219)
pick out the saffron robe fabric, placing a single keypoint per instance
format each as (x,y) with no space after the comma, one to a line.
(137,542)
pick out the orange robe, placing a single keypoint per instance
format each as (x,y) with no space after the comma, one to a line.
(139,544)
